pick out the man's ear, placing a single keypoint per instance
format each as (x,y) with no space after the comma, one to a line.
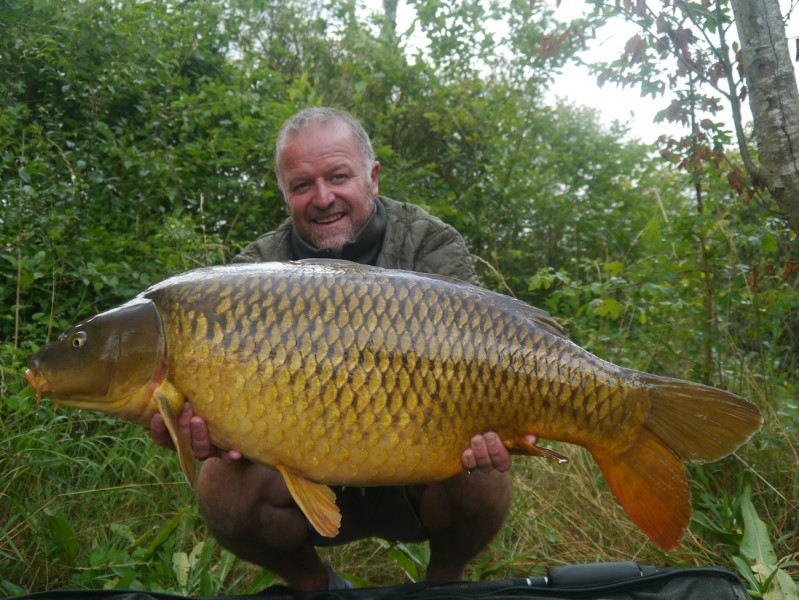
(374,176)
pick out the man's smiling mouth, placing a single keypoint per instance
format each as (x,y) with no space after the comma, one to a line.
(328,219)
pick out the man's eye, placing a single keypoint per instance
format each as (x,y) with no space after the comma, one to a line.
(299,187)
(339,177)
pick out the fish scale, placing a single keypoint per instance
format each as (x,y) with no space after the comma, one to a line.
(336,373)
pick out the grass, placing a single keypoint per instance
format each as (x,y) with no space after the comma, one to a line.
(87,501)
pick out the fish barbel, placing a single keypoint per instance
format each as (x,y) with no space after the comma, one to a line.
(338,373)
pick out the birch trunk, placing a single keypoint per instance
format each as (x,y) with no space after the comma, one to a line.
(774,100)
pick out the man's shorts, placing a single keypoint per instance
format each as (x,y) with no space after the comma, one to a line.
(384,512)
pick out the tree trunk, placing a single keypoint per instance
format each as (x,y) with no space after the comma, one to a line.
(390,13)
(774,100)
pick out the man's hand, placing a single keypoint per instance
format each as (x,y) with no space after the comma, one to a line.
(195,428)
(487,452)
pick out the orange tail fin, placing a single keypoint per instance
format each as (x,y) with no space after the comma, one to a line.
(687,422)
(651,485)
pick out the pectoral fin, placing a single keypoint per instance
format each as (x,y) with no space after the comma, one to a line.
(316,501)
(525,448)
(182,445)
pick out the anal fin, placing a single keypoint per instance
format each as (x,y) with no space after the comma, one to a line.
(182,445)
(523,447)
(317,502)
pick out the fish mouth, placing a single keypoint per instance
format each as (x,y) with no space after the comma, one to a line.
(38,382)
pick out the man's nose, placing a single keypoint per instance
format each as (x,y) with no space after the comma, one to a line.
(323,196)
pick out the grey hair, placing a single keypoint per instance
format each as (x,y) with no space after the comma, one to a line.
(314,117)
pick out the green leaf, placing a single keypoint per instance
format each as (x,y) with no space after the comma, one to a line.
(123,531)
(411,558)
(755,545)
(607,307)
(777,584)
(181,566)
(64,534)
(226,563)
(161,536)
(745,570)
(12,588)
(613,268)
(783,587)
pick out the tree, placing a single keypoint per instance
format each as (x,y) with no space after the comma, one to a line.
(774,100)
(128,137)
(686,49)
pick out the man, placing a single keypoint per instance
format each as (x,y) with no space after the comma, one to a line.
(327,172)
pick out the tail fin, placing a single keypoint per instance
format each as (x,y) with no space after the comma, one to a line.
(651,486)
(687,422)
(699,423)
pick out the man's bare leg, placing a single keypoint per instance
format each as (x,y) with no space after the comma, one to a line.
(251,513)
(462,515)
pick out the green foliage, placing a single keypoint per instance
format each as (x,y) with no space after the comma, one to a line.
(127,137)
(412,558)
(90,502)
(136,141)
(766,574)
(648,309)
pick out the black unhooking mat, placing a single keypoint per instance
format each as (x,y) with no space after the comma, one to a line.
(595,581)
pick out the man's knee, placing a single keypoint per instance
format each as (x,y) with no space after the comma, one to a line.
(245,503)
(466,498)
(219,494)
(235,497)
(486,494)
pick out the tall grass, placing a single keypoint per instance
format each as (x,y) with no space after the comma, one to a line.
(89,502)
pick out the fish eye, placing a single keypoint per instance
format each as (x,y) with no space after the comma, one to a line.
(79,339)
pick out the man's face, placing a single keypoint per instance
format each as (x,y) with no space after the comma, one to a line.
(329,192)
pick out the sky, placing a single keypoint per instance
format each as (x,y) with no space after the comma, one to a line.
(626,105)
(580,88)
(614,103)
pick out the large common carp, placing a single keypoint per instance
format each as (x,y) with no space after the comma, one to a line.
(337,373)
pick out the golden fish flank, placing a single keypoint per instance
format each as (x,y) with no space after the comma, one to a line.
(336,373)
